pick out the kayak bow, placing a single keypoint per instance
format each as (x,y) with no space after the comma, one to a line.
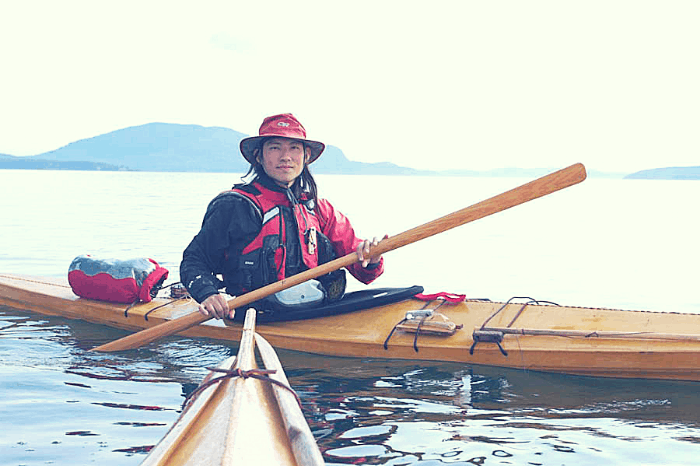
(240,419)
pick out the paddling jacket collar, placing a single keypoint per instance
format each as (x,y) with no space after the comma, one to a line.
(258,233)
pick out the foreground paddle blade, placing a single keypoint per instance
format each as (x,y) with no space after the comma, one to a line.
(540,187)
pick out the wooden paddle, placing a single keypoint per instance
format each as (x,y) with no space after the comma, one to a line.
(540,187)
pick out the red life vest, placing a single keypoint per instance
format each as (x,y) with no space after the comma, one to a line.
(288,241)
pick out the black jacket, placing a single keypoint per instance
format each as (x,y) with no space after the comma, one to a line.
(231,223)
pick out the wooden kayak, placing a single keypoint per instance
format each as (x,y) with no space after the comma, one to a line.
(527,335)
(240,420)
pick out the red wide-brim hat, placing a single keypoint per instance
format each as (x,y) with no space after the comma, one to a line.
(284,125)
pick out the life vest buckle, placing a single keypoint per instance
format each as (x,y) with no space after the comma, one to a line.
(311,240)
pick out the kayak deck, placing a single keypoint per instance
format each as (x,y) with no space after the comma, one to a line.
(573,340)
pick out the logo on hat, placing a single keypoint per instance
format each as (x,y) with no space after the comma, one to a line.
(283,123)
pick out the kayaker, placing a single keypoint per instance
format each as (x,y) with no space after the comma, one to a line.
(272,226)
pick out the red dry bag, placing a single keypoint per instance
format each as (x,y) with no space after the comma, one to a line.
(114,280)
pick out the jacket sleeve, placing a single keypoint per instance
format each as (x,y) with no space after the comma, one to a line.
(229,220)
(339,231)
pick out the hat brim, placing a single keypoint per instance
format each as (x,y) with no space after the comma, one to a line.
(248,146)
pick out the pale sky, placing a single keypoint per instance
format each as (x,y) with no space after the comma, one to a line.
(435,85)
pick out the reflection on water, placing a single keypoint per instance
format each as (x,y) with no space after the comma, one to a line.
(61,402)
(379,412)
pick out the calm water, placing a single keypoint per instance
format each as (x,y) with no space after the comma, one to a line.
(609,243)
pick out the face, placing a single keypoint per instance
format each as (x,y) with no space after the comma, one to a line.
(283,159)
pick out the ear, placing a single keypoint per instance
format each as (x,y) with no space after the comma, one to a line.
(307,154)
(256,155)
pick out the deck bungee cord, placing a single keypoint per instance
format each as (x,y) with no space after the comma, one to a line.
(260,374)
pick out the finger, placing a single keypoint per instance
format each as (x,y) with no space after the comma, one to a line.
(210,309)
(220,310)
(360,255)
(366,254)
(225,312)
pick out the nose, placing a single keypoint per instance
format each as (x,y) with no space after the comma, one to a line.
(286,154)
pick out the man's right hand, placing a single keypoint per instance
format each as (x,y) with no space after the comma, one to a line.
(216,306)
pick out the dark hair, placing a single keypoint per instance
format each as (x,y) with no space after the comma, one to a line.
(304,182)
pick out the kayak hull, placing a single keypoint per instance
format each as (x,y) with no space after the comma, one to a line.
(571,340)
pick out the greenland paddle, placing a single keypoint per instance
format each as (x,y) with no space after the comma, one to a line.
(540,187)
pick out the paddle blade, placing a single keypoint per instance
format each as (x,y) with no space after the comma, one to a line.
(154,333)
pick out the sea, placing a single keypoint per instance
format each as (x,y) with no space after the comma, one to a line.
(615,243)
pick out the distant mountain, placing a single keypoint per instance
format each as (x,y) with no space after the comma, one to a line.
(668,173)
(159,147)
(512,172)
(189,148)
(167,147)
(31,163)
(500,172)
(334,161)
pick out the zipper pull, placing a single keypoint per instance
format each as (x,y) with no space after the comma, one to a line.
(290,196)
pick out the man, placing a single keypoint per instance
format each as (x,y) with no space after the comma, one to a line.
(273,226)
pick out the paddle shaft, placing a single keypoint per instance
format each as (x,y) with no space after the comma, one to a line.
(540,187)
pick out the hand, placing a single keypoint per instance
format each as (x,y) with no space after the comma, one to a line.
(363,252)
(216,306)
